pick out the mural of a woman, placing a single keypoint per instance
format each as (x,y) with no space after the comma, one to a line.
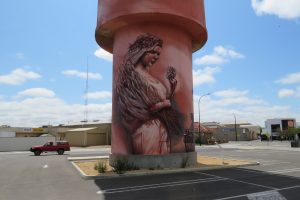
(145,107)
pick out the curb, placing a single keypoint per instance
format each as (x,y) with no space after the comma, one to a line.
(86,158)
(154,172)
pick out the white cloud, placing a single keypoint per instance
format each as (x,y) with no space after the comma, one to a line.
(99,95)
(44,110)
(290,79)
(18,77)
(94,76)
(289,92)
(221,107)
(20,56)
(210,60)
(101,53)
(205,76)
(219,56)
(36,92)
(230,93)
(237,101)
(285,93)
(222,51)
(286,9)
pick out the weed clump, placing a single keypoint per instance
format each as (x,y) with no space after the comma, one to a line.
(121,165)
(101,167)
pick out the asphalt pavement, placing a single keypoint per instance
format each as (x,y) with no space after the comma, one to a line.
(234,183)
(50,176)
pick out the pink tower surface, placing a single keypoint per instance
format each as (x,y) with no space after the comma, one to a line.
(152,42)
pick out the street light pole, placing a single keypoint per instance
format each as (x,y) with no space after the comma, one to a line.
(199,112)
(235,127)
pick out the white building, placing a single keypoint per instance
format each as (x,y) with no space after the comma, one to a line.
(275,126)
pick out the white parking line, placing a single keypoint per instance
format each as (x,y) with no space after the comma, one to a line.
(159,185)
(274,163)
(248,183)
(266,195)
(284,171)
(271,194)
(269,191)
(280,171)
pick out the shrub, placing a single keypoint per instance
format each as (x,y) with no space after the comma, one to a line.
(122,165)
(101,167)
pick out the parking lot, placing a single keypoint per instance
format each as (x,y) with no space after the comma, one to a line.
(233,183)
(51,176)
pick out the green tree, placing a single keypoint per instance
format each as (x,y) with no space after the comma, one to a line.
(291,132)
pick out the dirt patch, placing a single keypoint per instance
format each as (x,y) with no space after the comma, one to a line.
(216,161)
(88,166)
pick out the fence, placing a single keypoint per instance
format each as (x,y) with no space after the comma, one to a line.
(22,143)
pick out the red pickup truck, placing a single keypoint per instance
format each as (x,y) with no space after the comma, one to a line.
(59,146)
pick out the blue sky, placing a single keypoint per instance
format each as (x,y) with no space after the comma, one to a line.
(250,63)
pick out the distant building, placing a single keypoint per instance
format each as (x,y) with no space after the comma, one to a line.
(239,132)
(275,126)
(7,131)
(87,134)
(217,132)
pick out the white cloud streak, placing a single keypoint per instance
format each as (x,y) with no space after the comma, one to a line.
(230,93)
(18,77)
(36,92)
(285,9)
(205,76)
(101,53)
(290,79)
(99,95)
(286,93)
(83,75)
(282,93)
(219,56)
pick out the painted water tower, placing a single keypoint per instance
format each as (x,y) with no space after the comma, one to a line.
(152,42)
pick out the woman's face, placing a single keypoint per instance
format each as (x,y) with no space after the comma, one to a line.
(151,57)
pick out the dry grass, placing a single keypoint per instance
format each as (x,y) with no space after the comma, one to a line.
(88,166)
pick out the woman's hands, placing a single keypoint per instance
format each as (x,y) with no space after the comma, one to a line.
(160,105)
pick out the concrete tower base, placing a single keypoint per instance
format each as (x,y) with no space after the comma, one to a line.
(174,160)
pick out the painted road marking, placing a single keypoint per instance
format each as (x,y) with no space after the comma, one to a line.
(159,185)
(284,171)
(266,195)
(45,166)
(246,195)
(274,163)
(274,195)
(280,171)
(248,183)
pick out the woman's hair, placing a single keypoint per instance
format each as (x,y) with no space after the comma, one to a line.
(143,44)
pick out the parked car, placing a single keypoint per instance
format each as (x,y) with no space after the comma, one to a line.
(59,146)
